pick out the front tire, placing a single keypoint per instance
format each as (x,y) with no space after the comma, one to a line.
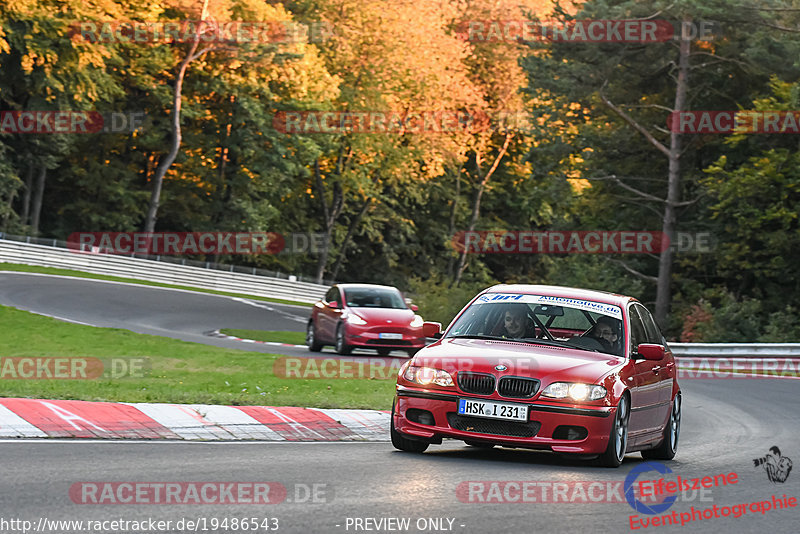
(341,346)
(401,442)
(618,439)
(311,338)
(669,446)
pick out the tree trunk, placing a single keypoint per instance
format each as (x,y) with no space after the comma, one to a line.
(451,228)
(223,161)
(9,209)
(350,231)
(329,215)
(37,200)
(476,208)
(476,204)
(663,293)
(166,163)
(323,255)
(26,198)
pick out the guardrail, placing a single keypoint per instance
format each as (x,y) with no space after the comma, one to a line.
(234,279)
(736,350)
(253,281)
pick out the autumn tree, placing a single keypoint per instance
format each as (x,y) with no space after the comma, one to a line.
(394,57)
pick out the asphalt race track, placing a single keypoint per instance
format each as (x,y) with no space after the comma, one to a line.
(723,430)
(184,315)
(726,424)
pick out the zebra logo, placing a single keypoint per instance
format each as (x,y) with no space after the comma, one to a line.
(777,467)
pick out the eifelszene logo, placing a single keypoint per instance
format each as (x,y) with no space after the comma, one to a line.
(636,504)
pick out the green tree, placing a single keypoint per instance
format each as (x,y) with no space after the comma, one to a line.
(619,96)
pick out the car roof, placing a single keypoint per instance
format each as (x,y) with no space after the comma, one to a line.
(563,291)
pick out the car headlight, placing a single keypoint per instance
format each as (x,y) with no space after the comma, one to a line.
(574,390)
(427,375)
(416,322)
(355,319)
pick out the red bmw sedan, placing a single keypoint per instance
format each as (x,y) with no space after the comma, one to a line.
(544,367)
(366,316)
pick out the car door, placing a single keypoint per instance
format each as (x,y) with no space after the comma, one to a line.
(328,317)
(667,371)
(646,389)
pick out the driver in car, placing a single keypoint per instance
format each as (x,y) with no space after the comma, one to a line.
(516,323)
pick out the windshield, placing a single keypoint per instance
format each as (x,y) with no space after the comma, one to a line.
(582,324)
(373,298)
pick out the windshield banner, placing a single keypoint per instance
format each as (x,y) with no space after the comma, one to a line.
(597,307)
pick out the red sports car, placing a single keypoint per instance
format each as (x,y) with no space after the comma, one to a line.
(366,316)
(544,367)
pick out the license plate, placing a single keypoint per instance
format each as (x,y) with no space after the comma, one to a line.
(493,410)
(390,336)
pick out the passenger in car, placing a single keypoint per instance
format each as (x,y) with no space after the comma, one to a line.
(606,331)
(516,322)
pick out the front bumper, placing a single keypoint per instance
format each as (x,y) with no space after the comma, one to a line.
(543,420)
(369,338)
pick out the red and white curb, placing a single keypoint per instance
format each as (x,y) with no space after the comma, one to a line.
(217,333)
(36,418)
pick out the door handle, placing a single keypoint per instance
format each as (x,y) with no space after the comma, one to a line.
(656,369)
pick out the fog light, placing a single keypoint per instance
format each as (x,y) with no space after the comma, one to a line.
(570,433)
(423,417)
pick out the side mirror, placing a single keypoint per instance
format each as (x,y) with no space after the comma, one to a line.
(414,307)
(649,351)
(431,329)
(333,304)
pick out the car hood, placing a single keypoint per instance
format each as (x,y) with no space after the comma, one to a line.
(384,316)
(547,363)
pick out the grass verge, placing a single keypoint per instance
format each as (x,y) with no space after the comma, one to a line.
(180,372)
(293,338)
(16,267)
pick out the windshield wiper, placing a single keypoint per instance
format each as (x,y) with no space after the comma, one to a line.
(581,348)
(477,336)
(571,346)
(537,341)
(552,343)
(517,339)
